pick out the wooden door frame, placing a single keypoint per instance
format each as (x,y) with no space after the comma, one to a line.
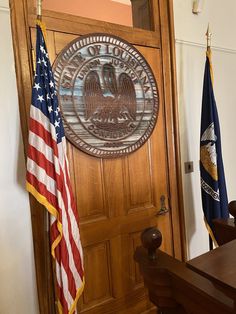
(22,18)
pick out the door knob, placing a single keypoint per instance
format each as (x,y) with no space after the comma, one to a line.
(163,210)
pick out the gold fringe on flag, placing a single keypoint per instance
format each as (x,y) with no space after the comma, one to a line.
(211,233)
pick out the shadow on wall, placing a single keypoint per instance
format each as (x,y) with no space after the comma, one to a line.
(189,206)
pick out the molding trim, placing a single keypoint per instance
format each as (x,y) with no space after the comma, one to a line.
(4,9)
(216,48)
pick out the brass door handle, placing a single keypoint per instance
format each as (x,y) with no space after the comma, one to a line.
(163,210)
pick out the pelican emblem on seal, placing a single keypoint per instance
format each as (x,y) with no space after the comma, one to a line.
(110,102)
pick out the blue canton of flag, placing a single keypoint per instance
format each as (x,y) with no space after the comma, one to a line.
(44,92)
(213,187)
(48,181)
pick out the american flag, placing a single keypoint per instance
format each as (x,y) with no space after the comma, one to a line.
(48,180)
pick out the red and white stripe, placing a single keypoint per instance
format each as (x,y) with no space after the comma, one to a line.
(48,173)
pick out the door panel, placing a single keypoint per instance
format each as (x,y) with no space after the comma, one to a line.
(97,260)
(139,191)
(114,186)
(89,187)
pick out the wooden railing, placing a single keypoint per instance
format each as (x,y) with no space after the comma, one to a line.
(204,285)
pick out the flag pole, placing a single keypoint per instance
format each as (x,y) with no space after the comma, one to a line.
(208,36)
(39,19)
(39,9)
(50,283)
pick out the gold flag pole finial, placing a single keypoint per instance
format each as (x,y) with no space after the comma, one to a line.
(39,18)
(208,52)
(39,10)
(208,35)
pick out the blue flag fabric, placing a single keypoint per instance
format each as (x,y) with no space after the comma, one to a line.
(213,187)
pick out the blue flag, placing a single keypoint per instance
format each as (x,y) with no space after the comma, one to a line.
(213,187)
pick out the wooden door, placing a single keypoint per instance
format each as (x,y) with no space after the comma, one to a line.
(116,198)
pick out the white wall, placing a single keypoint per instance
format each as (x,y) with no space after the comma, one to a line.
(190,32)
(17,275)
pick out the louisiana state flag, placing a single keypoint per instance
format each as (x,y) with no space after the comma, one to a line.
(213,187)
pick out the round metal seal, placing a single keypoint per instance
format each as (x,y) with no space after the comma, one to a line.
(107,94)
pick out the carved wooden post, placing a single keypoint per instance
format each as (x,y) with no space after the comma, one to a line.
(156,278)
(151,239)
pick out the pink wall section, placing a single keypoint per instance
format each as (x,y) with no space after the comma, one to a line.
(105,10)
